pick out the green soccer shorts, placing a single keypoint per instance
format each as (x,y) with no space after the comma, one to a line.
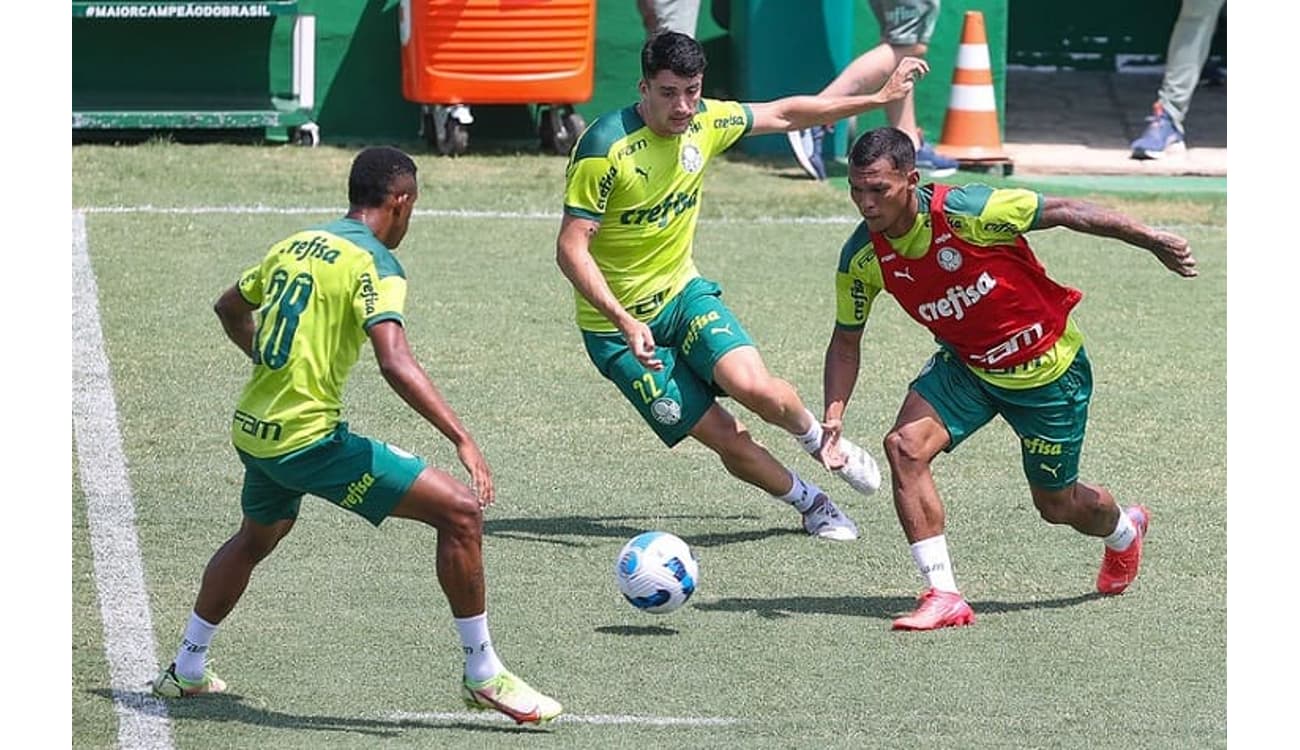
(359,474)
(1050,420)
(906,22)
(693,331)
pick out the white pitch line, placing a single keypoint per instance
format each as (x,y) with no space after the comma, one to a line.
(649,721)
(422,213)
(306,211)
(110,513)
(437,213)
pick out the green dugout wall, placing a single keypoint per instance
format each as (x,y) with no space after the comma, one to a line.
(358,69)
(1097,35)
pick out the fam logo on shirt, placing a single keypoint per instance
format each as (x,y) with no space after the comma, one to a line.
(692,159)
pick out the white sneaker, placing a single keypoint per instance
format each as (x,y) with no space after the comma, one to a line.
(807,145)
(823,519)
(860,470)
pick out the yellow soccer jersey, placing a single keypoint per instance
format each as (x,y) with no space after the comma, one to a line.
(645,191)
(317,293)
(981,215)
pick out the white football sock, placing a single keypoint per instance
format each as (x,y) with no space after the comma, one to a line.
(801,494)
(192,656)
(931,556)
(481,660)
(811,440)
(1123,535)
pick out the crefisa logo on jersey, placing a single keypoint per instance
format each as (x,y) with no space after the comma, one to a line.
(692,160)
(949,259)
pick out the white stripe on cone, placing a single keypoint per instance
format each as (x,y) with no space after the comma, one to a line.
(972,98)
(973,57)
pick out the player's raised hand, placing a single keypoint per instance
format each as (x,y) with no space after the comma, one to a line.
(642,343)
(904,78)
(831,455)
(480,476)
(1175,252)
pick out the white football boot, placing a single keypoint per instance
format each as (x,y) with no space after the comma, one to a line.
(859,469)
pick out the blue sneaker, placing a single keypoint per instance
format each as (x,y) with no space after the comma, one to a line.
(807,147)
(936,164)
(1161,138)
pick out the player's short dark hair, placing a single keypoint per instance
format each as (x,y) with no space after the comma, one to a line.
(887,143)
(671,50)
(373,173)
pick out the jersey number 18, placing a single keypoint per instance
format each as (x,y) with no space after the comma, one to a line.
(288,299)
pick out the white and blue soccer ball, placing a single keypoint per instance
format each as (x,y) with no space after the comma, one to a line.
(657,572)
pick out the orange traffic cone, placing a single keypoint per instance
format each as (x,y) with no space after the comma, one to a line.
(970,128)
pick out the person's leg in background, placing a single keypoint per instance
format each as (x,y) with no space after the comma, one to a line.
(671,15)
(1189,47)
(905,30)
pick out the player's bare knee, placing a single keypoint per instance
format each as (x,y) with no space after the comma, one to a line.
(757,395)
(464,518)
(257,542)
(1056,507)
(904,449)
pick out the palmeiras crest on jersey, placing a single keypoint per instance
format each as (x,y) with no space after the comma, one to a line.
(692,160)
(666,411)
(949,259)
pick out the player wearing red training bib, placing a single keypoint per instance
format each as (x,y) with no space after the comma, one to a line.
(957,262)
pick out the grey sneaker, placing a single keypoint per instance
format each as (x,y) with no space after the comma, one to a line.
(824,520)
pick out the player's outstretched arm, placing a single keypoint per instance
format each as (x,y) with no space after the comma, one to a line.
(405,376)
(839,376)
(1170,249)
(236,314)
(573,256)
(799,112)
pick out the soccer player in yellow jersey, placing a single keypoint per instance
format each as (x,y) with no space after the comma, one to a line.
(301,315)
(650,322)
(956,260)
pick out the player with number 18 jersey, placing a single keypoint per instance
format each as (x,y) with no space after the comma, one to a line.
(305,348)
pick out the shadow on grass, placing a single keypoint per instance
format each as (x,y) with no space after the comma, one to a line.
(875,607)
(560,529)
(230,707)
(635,630)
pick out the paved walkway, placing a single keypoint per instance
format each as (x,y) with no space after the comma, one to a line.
(1076,122)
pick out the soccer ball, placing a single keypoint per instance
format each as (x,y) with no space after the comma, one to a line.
(657,572)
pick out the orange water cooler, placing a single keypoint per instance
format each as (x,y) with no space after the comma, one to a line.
(456,53)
